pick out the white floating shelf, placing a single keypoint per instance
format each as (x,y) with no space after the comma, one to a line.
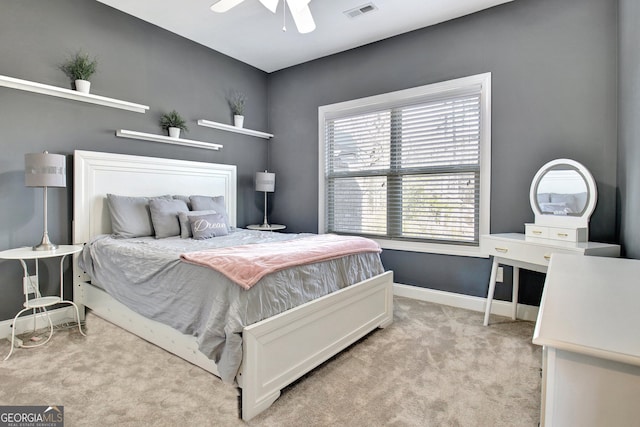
(229,128)
(70,94)
(166,139)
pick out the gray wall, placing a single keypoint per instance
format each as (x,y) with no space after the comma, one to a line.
(554,68)
(629,130)
(138,62)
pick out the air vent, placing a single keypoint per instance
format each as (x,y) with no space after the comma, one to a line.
(360,10)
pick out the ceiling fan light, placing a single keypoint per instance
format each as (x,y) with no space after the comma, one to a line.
(222,6)
(301,15)
(297,4)
(272,5)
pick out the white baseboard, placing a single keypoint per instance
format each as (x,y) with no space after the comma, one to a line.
(25,323)
(500,308)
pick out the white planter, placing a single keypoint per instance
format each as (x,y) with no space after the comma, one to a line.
(83,86)
(174,132)
(238,120)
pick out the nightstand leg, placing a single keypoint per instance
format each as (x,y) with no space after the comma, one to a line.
(492,288)
(13,330)
(75,306)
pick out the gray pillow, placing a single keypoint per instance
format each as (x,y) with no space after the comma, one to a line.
(164,216)
(185,226)
(185,198)
(568,200)
(208,226)
(206,203)
(130,216)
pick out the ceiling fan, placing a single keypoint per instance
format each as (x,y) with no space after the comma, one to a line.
(299,11)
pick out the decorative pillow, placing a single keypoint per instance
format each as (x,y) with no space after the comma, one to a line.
(130,216)
(544,197)
(568,200)
(216,203)
(184,198)
(185,226)
(208,226)
(164,216)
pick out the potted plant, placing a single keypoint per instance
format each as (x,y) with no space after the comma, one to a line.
(174,123)
(79,68)
(237,101)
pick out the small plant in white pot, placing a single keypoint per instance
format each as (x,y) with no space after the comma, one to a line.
(237,101)
(174,123)
(79,68)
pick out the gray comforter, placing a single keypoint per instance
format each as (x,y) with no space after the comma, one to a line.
(147,275)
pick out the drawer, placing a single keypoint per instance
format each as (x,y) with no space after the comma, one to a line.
(568,234)
(538,254)
(532,230)
(503,249)
(556,233)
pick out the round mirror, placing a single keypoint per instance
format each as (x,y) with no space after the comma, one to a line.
(563,193)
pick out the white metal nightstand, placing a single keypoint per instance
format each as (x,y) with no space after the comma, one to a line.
(270,227)
(40,302)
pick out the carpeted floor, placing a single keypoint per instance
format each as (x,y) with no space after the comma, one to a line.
(435,366)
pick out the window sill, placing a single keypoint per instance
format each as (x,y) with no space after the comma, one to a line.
(433,248)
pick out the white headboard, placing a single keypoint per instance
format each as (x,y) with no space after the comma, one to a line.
(96,174)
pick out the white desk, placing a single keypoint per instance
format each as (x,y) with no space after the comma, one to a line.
(588,327)
(40,302)
(530,253)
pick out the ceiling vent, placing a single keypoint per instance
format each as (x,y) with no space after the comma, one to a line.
(360,10)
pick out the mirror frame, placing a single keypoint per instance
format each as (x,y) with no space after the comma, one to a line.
(564,220)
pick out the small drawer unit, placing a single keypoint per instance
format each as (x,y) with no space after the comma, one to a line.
(579,234)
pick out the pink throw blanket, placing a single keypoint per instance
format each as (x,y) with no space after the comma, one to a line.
(247,264)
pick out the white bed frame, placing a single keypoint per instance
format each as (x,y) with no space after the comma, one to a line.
(277,350)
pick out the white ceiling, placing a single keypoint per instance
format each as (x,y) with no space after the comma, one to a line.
(252,34)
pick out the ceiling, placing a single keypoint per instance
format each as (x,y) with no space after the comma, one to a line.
(252,34)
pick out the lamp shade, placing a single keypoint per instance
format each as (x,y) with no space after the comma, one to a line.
(265,181)
(45,170)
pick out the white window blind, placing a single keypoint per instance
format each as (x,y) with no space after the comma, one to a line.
(406,169)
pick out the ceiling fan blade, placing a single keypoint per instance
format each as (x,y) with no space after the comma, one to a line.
(223,5)
(302,15)
(272,5)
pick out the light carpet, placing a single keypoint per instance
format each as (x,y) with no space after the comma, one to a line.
(434,366)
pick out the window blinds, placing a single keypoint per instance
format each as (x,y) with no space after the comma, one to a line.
(409,170)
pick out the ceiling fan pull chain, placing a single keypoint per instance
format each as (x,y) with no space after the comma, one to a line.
(284,15)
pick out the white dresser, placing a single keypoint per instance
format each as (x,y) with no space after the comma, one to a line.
(530,253)
(588,325)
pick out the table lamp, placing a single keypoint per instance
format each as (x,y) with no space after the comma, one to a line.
(266,182)
(45,170)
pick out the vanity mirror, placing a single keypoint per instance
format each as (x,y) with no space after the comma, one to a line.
(563,195)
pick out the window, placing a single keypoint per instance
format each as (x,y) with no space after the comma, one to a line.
(411,168)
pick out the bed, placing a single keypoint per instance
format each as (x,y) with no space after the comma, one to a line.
(275,351)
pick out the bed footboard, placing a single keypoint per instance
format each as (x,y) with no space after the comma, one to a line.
(279,350)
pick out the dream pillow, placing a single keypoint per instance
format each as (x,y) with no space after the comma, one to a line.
(164,216)
(207,226)
(209,203)
(130,216)
(185,226)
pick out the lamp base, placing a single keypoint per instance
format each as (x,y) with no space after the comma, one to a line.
(45,245)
